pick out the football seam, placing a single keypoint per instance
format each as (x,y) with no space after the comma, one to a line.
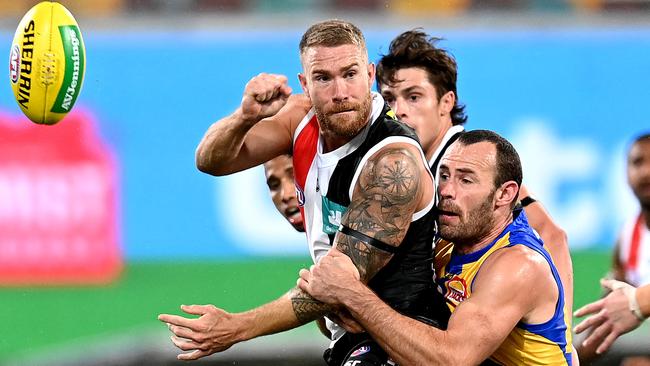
(49,49)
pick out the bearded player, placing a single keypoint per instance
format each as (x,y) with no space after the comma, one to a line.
(363,185)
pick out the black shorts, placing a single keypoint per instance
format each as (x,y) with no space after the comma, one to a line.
(361,350)
(356,350)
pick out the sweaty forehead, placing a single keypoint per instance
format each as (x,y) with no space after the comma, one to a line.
(479,156)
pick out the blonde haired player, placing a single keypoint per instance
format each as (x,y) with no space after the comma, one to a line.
(363,185)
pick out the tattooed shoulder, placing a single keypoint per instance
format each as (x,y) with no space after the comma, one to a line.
(395,173)
(384,201)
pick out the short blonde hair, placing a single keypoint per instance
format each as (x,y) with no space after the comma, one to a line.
(332,33)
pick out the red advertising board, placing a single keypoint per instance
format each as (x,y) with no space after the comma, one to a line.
(58,203)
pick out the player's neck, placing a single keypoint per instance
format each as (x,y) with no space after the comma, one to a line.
(500,224)
(435,143)
(331,142)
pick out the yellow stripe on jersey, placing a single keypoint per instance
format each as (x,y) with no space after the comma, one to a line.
(533,350)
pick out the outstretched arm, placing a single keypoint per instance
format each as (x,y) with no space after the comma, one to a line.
(259,130)
(216,330)
(387,194)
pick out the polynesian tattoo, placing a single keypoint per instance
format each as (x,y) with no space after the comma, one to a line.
(306,307)
(382,207)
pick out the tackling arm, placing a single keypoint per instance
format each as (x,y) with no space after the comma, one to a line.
(475,330)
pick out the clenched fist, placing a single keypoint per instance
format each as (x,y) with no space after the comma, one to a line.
(264,96)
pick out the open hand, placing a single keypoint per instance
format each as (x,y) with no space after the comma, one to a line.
(213,331)
(609,317)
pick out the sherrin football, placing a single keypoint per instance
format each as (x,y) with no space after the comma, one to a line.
(47,63)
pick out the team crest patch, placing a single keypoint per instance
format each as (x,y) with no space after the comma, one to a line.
(300,196)
(456,290)
(361,350)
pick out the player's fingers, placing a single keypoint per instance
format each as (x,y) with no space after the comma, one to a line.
(592,321)
(194,355)
(176,320)
(183,332)
(285,91)
(270,94)
(604,346)
(611,284)
(304,274)
(184,343)
(196,309)
(261,96)
(598,334)
(590,308)
(302,284)
(281,79)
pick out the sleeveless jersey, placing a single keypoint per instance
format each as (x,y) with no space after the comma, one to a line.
(324,185)
(548,343)
(634,251)
(451,135)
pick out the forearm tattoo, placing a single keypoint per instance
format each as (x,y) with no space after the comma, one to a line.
(382,207)
(306,307)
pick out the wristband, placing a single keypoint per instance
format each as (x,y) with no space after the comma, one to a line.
(527,201)
(634,305)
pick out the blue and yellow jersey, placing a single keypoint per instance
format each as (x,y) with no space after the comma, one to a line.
(547,343)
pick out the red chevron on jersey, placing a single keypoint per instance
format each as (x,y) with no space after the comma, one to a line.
(304,151)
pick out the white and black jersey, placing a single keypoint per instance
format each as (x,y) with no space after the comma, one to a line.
(324,185)
(451,135)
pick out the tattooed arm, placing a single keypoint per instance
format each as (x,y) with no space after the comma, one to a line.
(392,186)
(389,190)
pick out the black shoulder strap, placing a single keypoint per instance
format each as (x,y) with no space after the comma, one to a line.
(368,240)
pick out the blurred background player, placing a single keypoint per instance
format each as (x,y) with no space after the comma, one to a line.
(631,263)
(418,80)
(282,187)
(279,179)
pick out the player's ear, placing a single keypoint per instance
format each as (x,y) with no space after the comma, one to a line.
(447,102)
(371,74)
(303,84)
(506,193)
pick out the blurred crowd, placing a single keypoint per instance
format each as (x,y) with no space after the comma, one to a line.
(10,8)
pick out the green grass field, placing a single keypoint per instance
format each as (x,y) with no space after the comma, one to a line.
(35,319)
